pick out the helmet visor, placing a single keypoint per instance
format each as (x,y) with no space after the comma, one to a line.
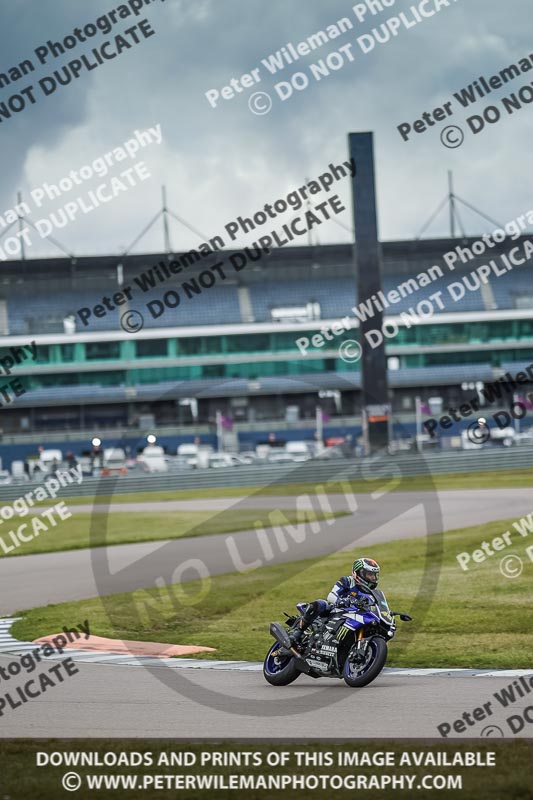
(370,577)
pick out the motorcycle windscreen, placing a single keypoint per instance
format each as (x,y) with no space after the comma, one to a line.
(380,599)
(383,606)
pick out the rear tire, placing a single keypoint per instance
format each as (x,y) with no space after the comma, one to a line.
(279,671)
(371,670)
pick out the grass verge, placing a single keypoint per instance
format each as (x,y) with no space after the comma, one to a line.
(475,619)
(99,530)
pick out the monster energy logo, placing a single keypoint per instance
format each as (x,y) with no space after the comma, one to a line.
(342,633)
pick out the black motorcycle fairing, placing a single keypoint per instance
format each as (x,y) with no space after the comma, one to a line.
(321,647)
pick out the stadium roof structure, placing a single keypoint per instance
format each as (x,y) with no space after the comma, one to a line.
(398,257)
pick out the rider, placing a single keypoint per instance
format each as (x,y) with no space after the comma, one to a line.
(365,575)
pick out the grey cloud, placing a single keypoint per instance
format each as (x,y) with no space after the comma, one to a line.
(218,163)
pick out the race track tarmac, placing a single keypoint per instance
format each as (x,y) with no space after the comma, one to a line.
(120,701)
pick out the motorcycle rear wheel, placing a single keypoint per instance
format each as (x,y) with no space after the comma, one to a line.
(357,676)
(279,671)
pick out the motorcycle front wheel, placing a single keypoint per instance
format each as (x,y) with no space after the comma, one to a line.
(279,670)
(363,674)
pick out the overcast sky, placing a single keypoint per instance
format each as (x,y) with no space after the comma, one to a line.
(219,163)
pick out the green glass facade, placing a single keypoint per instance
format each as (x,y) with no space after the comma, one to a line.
(128,362)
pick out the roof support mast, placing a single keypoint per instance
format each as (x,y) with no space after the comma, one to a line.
(452,204)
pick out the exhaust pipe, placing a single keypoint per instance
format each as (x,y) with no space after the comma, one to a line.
(282,637)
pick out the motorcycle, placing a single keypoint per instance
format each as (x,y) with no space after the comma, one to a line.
(349,643)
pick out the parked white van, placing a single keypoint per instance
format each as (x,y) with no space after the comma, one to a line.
(153,459)
(300,451)
(197,455)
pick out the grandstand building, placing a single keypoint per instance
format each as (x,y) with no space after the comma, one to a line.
(231,344)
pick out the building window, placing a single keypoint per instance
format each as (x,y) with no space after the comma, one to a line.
(189,347)
(43,354)
(98,351)
(66,352)
(145,348)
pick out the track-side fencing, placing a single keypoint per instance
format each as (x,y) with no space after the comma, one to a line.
(314,472)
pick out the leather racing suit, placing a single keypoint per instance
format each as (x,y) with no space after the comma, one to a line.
(342,589)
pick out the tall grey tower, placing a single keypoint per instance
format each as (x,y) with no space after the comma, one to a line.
(367,252)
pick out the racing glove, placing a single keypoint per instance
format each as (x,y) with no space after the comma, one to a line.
(344,602)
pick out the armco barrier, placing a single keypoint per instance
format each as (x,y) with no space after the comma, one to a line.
(309,472)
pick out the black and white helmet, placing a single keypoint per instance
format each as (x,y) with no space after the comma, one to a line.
(366,572)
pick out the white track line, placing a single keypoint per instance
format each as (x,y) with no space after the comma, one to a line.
(11,646)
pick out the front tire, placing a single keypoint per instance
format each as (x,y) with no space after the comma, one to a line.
(362,674)
(279,671)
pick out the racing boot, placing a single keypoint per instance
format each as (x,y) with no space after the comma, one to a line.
(312,611)
(296,634)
